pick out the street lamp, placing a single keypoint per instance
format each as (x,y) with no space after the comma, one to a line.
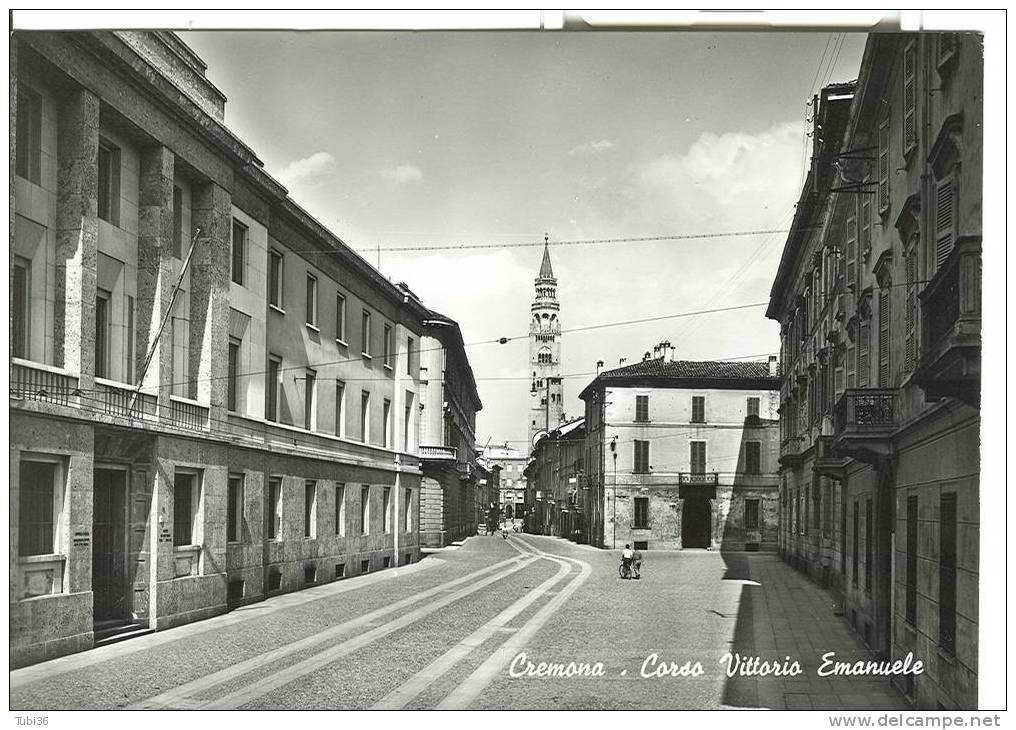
(613,514)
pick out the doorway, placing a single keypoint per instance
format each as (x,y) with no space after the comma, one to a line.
(696,522)
(109,547)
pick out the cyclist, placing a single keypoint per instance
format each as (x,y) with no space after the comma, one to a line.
(626,556)
(636,564)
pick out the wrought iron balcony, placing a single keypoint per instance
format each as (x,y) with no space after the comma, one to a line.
(865,419)
(950,359)
(828,462)
(791,452)
(697,484)
(35,382)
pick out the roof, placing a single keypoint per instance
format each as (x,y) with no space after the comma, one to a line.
(546,272)
(689,374)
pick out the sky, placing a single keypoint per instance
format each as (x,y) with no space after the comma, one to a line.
(453,139)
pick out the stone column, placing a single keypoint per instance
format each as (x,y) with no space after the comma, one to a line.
(77,233)
(155,270)
(209,298)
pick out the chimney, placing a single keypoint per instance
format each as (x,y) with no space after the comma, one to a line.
(668,352)
(599,366)
(647,356)
(774,366)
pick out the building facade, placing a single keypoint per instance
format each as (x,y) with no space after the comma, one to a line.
(513,484)
(556,474)
(683,454)
(546,394)
(213,399)
(449,403)
(878,298)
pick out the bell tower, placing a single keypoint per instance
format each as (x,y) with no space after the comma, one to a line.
(546,395)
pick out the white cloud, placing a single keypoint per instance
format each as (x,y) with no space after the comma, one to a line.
(592,148)
(298,171)
(403,174)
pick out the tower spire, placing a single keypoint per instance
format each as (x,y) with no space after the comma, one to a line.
(546,271)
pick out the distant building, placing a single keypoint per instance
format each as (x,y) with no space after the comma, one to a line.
(449,403)
(513,483)
(682,454)
(878,296)
(557,482)
(546,393)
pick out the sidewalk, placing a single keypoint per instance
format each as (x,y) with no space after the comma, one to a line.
(788,615)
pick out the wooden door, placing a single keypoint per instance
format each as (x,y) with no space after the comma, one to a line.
(109,546)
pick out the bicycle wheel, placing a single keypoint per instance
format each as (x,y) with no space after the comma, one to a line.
(623,571)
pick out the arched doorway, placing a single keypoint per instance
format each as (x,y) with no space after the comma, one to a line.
(696,522)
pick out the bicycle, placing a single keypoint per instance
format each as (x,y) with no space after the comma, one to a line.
(624,570)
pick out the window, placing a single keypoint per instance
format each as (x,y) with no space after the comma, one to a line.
(947,573)
(851,252)
(863,346)
(407,424)
(641,513)
(234,508)
(21,297)
(387,346)
(275,279)
(39,503)
(272,384)
(364,416)
(807,510)
(312,303)
(409,510)
(816,494)
(753,457)
(910,315)
(102,325)
(642,408)
(869,562)
(544,357)
(854,542)
(340,408)
(409,355)
(698,457)
(751,514)
(753,406)
(945,223)
(883,166)
(386,417)
(232,374)
(177,245)
(129,342)
(883,339)
(185,504)
(340,318)
(309,508)
(910,613)
(698,409)
(388,509)
(239,252)
(909,97)
(109,183)
(274,510)
(865,241)
(29,135)
(641,457)
(365,333)
(340,509)
(365,509)
(310,400)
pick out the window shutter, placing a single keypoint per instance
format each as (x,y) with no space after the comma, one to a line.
(865,227)
(944,220)
(883,165)
(911,310)
(864,338)
(883,340)
(852,251)
(909,96)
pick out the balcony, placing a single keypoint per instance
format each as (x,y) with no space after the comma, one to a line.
(38,382)
(792,452)
(865,419)
(114,399)
(950,359)
(188,414)
(695,484)
(828,463)
(437,453)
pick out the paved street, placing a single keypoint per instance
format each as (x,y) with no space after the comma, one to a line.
(448,633)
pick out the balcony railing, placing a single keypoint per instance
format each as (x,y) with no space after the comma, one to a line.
(864,421)
(115,399)
(32,381)
(699,479)
(441,453)
(188,414)
(950,358)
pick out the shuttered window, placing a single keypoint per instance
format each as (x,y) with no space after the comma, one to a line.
(865,227)
(863,346)
(883,166)
(751,514)
(911,577)
(698,409)
(698,457)
(854,543)
(947,573)
(642,408)
(869,546)
(910,318)
(909,97)
(752,457)
(641,513)
(883,340)
(641,457)
(945,219)
(852,251)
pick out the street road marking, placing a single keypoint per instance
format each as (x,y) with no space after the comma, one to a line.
(403,695)
(183,692)
(282,677)
(463,695)
(47,670)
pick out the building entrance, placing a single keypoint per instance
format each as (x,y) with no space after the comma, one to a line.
(109,546)
(696,519)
